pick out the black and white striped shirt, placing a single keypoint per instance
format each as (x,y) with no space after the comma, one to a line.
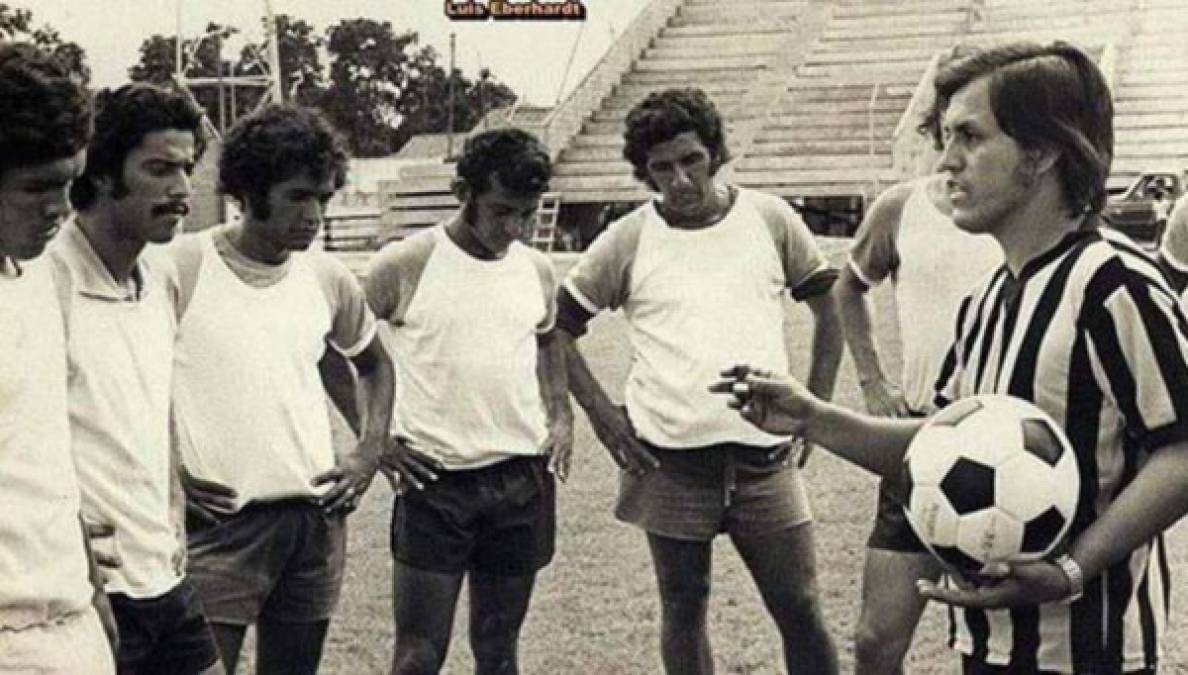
(1090,332)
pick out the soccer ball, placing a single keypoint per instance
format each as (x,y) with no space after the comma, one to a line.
(990,479)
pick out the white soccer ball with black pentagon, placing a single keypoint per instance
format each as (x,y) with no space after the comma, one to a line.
(990,479)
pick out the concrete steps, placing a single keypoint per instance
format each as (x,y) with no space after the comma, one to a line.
(653,78)
(747,28)
(814,139)
(785,162)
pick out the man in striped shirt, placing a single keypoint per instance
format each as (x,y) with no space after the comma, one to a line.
(1079,322)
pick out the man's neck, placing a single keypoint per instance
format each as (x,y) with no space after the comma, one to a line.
(118,254)
(255,248)
(717,204)
(462,233)
(1035,228)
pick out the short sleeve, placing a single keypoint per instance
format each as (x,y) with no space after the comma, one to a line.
(1139,337)
(600,278)
(602,275)
(874,254)
(381,286)
(807,273)
(352,325)
(394,273)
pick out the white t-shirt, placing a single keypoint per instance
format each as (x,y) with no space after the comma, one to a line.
(463,339)
(698,301)
(120,363)
(1174,246)
(249,406)
(933,264)
(43,565)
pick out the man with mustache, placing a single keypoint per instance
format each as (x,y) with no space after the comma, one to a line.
(49,621)
(256,311)
(120,331)
(701,274)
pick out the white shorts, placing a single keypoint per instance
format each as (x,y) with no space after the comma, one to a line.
(71,645)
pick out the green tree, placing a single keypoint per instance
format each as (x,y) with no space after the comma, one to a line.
(384,88)
(17,24)
(372,80)
(472,100)
(301,68)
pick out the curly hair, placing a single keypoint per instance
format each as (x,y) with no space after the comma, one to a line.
(45,113)
(1050,97)
(122,119)
(664,115)
(517,157)
(274,145)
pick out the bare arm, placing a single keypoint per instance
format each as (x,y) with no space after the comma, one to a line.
(827,345)
(554,390)
(355,469)
(610,423)
(338,379)
(882,397)
(875,250)
(99,599)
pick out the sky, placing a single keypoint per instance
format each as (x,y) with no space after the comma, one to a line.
(528,56)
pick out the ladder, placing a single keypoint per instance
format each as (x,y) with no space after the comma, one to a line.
(544,235)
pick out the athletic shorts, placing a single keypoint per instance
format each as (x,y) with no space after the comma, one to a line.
(971,667)
(891,531)
(699,492)
(165,634)
(279,560)
(499,520)
(70,645)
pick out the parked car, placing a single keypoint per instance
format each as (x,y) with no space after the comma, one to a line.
(1140,207)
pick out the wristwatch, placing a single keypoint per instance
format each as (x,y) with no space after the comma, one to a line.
(1076,578)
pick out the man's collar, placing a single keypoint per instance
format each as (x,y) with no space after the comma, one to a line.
(92,277)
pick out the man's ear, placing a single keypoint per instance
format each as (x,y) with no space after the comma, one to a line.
(461,189)
(1042,160)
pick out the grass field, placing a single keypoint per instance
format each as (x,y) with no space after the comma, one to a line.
(595,608)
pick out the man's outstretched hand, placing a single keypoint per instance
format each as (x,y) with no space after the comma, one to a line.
(777,404)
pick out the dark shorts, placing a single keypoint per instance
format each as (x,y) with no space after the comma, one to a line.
(971,667)
(892,532)
(698,493)
(281,561)
(165,634)
(498,520)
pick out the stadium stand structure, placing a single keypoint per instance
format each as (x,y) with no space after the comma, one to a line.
(823,97)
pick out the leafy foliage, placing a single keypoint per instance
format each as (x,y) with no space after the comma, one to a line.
(380,88)
(17,24)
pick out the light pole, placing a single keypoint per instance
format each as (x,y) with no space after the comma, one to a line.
(484,75)
(450,103)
